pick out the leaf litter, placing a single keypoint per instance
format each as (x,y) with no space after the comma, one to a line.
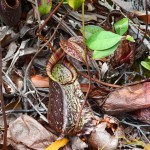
(44,108)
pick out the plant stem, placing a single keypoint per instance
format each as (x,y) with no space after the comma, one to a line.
(87,65)
(3,106)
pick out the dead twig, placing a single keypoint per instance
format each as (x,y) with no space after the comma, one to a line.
(99,81)
(3,106)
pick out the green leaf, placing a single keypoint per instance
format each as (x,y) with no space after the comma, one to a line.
(121,26)
(103,40)
(105,53)
(44,6)
(90,30)
(75,4)
(130,38)
(146,65)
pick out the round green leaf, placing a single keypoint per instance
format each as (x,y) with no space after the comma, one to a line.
(103,40)
(105,53)
(75,4)
(44,6)
(90,30)
(121,26)
(146,65)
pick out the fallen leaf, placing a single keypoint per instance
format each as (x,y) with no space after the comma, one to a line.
(124,54)
(58,144)
(142,115)
(128,98)
(26,133)
(78,144)
(40,81)
(105,136)
(85,87)
(142,16)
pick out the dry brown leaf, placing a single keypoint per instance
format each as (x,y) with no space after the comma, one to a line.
(40,81)
(124,54)
(105,136)
(128,98)
(142,16)
(26,133)
(142,115)
(85,86)
(78,144)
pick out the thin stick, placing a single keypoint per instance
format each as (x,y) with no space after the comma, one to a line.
(2,105)
(87,65)
(99,81)
(29,65)
(45,22)
(146,30)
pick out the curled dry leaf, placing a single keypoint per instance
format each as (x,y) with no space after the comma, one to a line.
(74,47)
(106,134)
(128,98)
(124,54)
(26,133)
(40,81)
(142,115)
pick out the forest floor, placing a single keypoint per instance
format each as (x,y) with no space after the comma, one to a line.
(75,75)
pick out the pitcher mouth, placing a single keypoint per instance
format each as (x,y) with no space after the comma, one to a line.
(12,3)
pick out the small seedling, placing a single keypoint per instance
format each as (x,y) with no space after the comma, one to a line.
(146,63)
(104,43)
